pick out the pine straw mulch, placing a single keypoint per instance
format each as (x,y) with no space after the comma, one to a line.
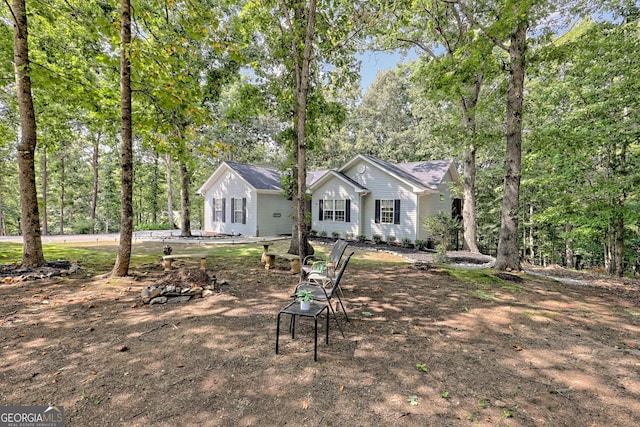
(422,348)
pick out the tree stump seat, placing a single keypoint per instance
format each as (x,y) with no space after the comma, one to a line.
(168,259)
(269,258)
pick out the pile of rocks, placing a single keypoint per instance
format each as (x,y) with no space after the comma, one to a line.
(180,286)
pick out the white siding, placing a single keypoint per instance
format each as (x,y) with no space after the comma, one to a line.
(230,186)
(335,189)
(384,187)
(273,215)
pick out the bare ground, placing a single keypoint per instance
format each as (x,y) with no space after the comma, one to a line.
(423,348)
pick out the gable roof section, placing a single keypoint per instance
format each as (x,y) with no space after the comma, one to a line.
(313,176)
(430,173)
(260,178)
(357,187)
(423,176)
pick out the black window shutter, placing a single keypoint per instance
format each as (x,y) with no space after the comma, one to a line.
(396,211)
(347,210)
(224,210)
(320,210)
(213,208)
(244,210)
(377,212)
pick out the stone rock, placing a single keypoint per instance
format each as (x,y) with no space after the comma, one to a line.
(178,299)
(158,300)
(207,292)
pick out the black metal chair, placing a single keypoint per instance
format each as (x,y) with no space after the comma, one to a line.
(335,256)
(326,290)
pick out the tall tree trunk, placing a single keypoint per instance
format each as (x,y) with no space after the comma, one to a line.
(32,255)
(121,267)
(470,223)
(508,255)
(302,65)
(185,204)
(62,178)
(94,193)
(154,190)
(169,192)
(568,248)
(3,229)
(45,180)
(532,255)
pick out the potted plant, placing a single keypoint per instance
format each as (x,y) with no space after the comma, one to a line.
(305,297)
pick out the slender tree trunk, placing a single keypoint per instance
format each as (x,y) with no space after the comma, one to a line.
(94,194)
(3,230)
(121,267)
(45,180)
(169,192)
(154,190)
(62,178)
(532,255)
(470,223)
(568,248)
(508,254)
(302,65)
(185,203)
(32,255)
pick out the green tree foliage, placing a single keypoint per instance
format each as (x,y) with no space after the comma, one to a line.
(583,96)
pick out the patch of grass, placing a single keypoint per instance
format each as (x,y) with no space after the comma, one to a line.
(633,313)
(482,278)
(484,296)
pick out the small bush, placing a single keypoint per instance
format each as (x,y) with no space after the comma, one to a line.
(152,226)
(349,236)
(323,233)
(420,244)
(313,233)
(335,234)
(391,239)
(376,238)
(81,226)
(406,242)
(362,238)
(441,254)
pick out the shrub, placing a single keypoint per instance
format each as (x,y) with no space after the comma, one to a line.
(313,233)
(441,254)
(406,242)
(152,226)
(349,236)
(81,226)
(391,239)
(362,238)
(335,234)
(420,244)
(376,238)
(442,228)
(323,233)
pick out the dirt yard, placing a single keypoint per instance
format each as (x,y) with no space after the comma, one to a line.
(423,348)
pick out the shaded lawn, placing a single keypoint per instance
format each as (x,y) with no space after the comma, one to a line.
(424,347)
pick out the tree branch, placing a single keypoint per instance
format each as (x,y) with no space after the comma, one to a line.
(421,45)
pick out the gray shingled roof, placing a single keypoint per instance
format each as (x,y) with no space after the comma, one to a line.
(260,177)
(427,174)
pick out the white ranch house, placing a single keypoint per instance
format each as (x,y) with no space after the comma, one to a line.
(245,199)
(366,196)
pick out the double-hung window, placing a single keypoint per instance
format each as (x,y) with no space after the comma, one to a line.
(218,210)
(335,210)
(387,211)
(239,211)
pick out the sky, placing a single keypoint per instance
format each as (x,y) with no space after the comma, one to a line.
(374,62)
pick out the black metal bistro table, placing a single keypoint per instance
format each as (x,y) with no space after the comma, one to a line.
(315,311)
